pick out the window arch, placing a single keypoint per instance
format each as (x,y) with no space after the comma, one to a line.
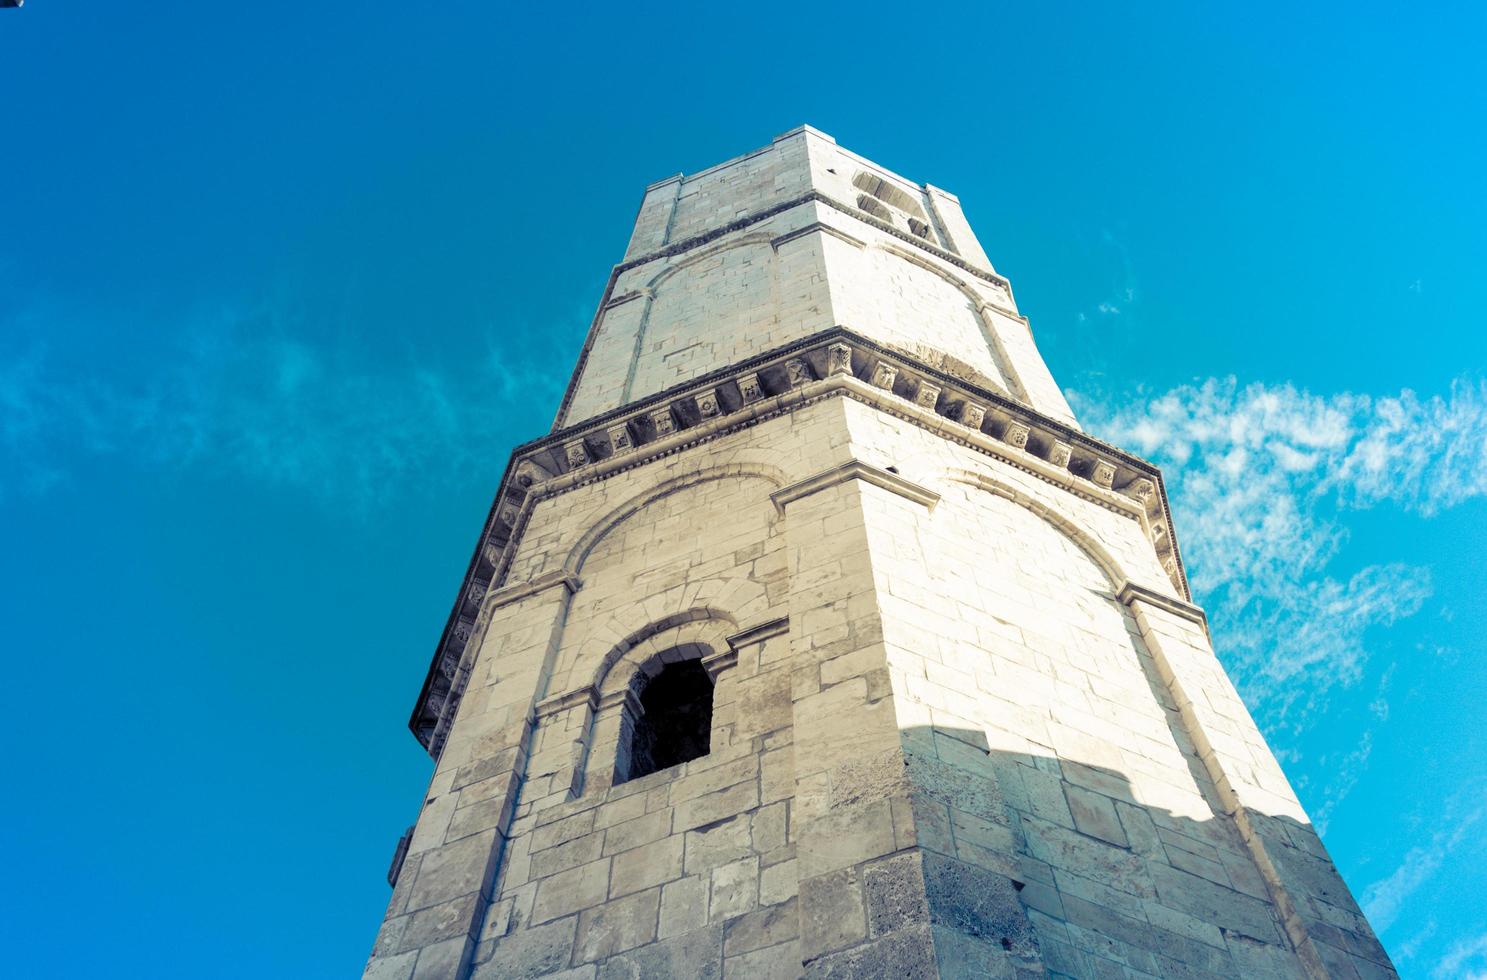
(670,720)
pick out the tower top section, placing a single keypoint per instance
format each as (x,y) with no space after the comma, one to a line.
(794,238)
(801,161)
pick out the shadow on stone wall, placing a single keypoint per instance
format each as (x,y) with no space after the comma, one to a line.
(1030,859)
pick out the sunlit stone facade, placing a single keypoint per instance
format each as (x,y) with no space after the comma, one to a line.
(964,719)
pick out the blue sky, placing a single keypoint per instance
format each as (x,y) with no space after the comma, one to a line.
(280,286)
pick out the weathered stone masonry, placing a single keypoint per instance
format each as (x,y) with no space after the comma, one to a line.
(965,718)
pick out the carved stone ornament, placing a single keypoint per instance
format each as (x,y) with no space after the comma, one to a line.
(1140,489)
(462,630)
(1059,453)
(492,553)
(663,420)
(1103,474)
(972,414)
(508,514)
(927,394)
(619,438)
(797,372)
(1016,435)
(884,375)
(838,359)
(749,388)
(707,403)
(576,453)
(528,473)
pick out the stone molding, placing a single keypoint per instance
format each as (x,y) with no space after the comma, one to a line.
(584,696)
(854,469)
(541,583)
(1131,593)
(759,632)
(716,663)
(832,363)
(811,229)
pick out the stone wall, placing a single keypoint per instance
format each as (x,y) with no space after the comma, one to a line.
(941,742)
(761,251)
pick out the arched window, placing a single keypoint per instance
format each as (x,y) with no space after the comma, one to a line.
(887,193)
(674,724)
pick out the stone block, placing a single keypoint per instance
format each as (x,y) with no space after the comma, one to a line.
(832,912)
(778,882)
(716,805)
(531,952)
(780,962)
(977,902)
(735,889)
(646,866)
(763,927)
(1095,815)
(698,954)
(908,953)
(718,843)
(452,870)
(569,891)
(894,892)
(683,905)
(616,926)
(569,854)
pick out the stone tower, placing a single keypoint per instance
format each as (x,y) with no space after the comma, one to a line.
(817,639)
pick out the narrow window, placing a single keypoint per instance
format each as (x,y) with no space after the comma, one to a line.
(675,723)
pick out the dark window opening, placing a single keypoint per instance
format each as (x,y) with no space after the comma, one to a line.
(675,723)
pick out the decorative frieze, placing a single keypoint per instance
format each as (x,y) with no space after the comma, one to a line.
(1103,473)
(1016,435)
(797,372)
(620,440)
(884,375)
(529,472)
(838,359)
(1059,453)
(927,395)
(663,423)
(707,403)
(749,388)
(972,414)
(576,453)
(1140,490)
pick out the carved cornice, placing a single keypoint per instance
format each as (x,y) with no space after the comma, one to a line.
(830,364)
(854,469)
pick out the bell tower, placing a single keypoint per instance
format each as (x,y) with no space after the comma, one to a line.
(817,639)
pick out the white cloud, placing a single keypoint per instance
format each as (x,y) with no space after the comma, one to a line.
(1259,477)
(325,420)
(1465,960)
(1384,899)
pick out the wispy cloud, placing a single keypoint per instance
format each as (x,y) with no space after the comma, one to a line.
(328,420)
(1465,960)
(1259,476)
(1386,898)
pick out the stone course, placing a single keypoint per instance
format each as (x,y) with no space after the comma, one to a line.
(965,723)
